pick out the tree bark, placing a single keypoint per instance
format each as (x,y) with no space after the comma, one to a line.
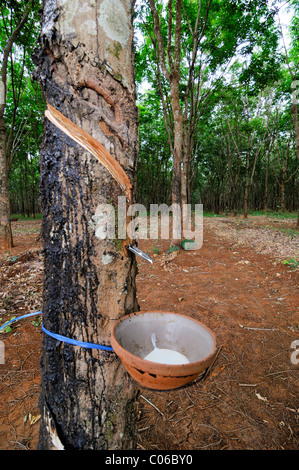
(266,192)
(85,67)
(177,158)
(294,110)
(6,240)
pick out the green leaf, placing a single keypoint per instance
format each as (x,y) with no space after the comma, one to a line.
(8,328)
(172,248)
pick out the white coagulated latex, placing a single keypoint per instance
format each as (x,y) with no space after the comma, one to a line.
(165,356)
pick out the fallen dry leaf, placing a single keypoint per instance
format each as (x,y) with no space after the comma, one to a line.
(260,397)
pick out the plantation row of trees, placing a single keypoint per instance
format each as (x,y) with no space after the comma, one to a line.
(21,110)
(245,155)
(217,98)
(236,113)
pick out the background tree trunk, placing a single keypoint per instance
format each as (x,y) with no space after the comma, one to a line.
(177,159)
(85,66)
(172,75)
(6,239)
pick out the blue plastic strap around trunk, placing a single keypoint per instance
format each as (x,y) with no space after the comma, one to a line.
(75,342)
(60,337)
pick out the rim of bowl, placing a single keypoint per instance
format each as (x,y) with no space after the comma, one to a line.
(156,367)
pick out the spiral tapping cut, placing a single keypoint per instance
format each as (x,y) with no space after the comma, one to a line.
(97,150)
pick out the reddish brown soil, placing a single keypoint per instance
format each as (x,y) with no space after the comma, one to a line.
(248,399)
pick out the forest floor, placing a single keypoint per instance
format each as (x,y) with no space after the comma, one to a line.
(242,284)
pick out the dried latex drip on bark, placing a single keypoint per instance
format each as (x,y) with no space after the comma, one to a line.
(165,356)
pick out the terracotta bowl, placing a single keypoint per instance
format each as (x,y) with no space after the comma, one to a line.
(131,341)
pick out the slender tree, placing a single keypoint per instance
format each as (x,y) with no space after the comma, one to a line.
(169,63)
(192,47)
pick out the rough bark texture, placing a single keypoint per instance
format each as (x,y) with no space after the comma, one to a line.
(85,66)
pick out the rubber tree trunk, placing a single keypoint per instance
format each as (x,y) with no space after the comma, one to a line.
(85,67)
(176,166)
(247,184)
(296,127)
(6,241)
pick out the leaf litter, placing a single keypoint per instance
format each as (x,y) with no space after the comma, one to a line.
(247,398)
